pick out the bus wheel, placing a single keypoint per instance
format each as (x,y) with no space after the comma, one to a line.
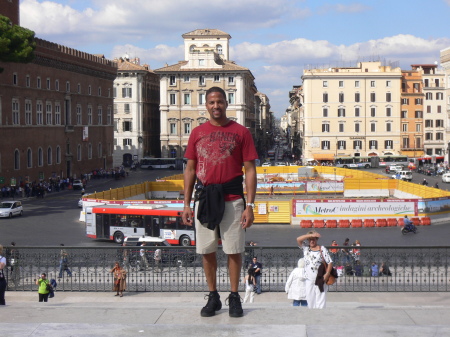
(367,166)
(118,237)
(185,241)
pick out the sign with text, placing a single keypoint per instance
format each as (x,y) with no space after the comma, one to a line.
(354,208)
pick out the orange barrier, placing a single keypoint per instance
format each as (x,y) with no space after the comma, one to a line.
(344,224)
(331,224)
(381,223)
(415,221)
(319,224)
(306,224)
(401,223)
(357,223)
(426,221)
(369,223)
(391,222)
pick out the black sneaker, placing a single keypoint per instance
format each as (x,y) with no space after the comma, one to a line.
(234,302)
(212,306)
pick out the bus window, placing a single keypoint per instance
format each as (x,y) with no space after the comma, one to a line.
(169,222)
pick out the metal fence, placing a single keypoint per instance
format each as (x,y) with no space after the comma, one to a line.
(418,269)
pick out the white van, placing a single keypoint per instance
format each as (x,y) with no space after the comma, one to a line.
(403,175)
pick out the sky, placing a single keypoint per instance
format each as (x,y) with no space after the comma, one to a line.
(274,39)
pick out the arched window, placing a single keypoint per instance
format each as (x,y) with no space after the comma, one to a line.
(219,49)
(58,155)
(29,158)
(49,156)
(16,160)
(192,48)
(40,157)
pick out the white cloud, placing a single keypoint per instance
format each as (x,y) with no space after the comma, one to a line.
(341,8)
(115,20)
(156,57)
(303,51)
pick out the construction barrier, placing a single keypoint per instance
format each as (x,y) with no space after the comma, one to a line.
(306,224)
(391,222)
(331,224)
(319,224)
(381,223)
(357,223)
(344,224)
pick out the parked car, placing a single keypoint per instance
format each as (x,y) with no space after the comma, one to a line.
(77,184)
(429,171)
(280,163)
(393,168)
(268,163)
(8,209)
(446,178)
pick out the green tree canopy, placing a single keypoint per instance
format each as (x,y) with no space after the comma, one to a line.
(17,44)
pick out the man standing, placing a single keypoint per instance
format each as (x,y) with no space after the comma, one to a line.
(64,262)
(257,267)
(157,257)
(143,254)
(216,152)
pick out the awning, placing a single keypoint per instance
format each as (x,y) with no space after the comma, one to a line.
(412,154)
(324,156)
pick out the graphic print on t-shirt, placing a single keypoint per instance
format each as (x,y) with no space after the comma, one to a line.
(213,149)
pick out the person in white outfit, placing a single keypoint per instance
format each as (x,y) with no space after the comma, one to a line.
(314,255)
(296,285)
(250,282)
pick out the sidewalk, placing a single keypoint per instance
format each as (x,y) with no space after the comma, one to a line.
(178,314)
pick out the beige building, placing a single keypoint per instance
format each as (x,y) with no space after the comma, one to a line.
(351,111)
(434,115)
(183,87)
(412,98)
(136,112)
(445,63)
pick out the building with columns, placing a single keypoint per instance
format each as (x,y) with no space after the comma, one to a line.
(183,87)
(136,112)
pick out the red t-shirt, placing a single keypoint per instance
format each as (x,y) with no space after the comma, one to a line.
(220,151)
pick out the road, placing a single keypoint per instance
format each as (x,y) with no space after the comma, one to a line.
(54,220)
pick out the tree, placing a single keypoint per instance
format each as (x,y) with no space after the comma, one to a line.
(17,44)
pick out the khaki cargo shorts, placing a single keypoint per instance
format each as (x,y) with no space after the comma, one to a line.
(231,232)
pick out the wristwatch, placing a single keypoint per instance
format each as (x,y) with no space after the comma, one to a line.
(251,204)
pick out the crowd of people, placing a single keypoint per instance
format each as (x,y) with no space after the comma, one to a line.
(42,187)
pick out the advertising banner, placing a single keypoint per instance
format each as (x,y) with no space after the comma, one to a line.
(434,206)
(325,186)
(354,208)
